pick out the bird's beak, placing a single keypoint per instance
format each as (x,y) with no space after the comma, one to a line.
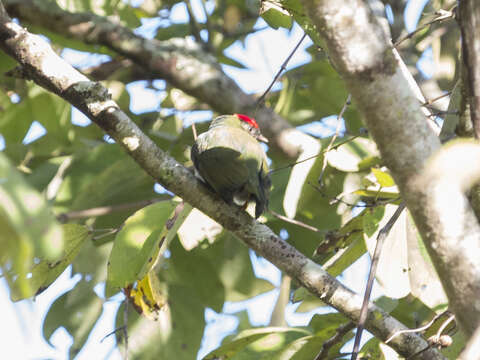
(262,138)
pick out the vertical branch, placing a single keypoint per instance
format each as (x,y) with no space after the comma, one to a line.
(193,23)
(207,24)
(469,20)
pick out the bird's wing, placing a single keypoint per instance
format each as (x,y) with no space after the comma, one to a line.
(222,166)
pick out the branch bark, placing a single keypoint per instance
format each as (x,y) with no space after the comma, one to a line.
(469,21)
(43,66)
(181,62)
(364,57)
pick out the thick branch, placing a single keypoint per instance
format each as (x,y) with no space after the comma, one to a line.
(181,62)
(470,26)
(364,57)
(40,64)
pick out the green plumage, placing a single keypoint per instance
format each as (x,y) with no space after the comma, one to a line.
(232,162)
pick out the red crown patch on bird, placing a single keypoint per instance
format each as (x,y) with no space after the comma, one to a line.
(247,119)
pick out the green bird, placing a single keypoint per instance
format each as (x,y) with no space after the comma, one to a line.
(232,162)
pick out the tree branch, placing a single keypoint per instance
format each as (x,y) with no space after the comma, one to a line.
(47,69)
(470,26)
(363,55)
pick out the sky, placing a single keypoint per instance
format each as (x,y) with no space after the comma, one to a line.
(21,325)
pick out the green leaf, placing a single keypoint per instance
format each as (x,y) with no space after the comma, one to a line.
(231,261)
(78,315)
(324,326)
(195,270)
(371,218)
(351,254)
(250,336)
(300,349)
(372,350)
(12,130)
(51,111)
(28,229)
(177,333)
(226,60)
(45,272)
(274,15)
(304,202)
(120,181)
(383,178)
(408,310)
(173,30)
(369,162)
(377,194)
(137,244)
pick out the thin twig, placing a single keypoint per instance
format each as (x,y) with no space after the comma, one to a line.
(334,137)
(282,68)
(194,130)
(342,330)
(382,235)
(431,101)
(107,233)
(442,15)
(105,210)
(444,325)
(125,324)
(293,221)
(422,328)
(316,155)
(444,112)
(112,333)
(54,185)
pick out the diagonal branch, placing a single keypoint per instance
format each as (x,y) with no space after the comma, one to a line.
(43,66)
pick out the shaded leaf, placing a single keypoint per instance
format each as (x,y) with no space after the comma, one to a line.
(29,229)
(231,261)
(46,271)
(176,334)
(408,310)
(195,270)
(371,219)
(77,315)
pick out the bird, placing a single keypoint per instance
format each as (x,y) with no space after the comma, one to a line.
(231,161)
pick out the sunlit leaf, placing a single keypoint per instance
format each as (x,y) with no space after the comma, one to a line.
(247,337)
(137,244)
(383,178)
(147,297)
(275,16)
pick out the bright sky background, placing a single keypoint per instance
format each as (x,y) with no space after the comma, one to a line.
(21,325)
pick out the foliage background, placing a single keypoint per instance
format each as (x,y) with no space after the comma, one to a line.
(216,270)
